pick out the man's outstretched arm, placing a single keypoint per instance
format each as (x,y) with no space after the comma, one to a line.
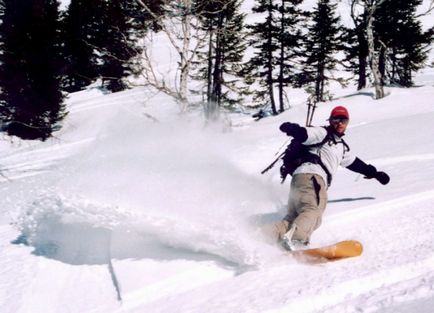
(369,171)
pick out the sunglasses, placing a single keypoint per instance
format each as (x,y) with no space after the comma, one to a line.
(336,120)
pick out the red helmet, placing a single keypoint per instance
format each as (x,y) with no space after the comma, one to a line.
(339,111)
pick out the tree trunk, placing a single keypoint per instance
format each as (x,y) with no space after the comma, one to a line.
(281,60)
(393,77)
(319,83)
(373,57)
(185,62)
(382,64)
(217,73)
(215,98)
(209,104)
(270,64)
(360,28)
(209,69)
(361,83)
(362,55)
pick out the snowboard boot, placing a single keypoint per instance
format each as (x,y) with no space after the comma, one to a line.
(292,244)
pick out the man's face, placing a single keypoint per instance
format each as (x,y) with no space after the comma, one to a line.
(339,123)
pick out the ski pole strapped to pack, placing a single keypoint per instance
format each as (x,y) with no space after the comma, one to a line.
(269,167)
(291,157)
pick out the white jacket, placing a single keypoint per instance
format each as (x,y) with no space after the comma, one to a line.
(332,153)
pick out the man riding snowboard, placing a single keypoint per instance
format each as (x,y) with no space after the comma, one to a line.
(324,150)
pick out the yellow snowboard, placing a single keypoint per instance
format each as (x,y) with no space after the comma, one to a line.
(340,250)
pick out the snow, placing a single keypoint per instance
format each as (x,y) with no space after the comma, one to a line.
(134,207)
(121,212)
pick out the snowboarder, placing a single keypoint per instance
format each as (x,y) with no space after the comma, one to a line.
(325,150)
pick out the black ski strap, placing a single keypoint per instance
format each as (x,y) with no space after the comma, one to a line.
(326,170)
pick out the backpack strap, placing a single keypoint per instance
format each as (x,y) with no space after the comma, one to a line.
(316,159)
(326,139)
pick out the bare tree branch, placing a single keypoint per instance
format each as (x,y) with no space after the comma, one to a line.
(185,36)
(428,10)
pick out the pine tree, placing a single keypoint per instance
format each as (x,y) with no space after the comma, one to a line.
(233,46)
(322,43)
(80,35)
(101,41)
(290,16)
(265,41)
(123,24)
(30,101)
(356,48)
(156,12)
(401,41)
(220,64)
(277,41)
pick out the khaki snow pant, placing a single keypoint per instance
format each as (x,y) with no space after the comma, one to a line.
(307,202)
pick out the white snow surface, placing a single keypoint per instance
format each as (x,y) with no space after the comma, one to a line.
(134,207)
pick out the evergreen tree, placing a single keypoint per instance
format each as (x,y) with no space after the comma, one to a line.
(221,64)
(123,24)
(233,46)
(156,11)
(101,41)
(322,43)
(401,41)
(356,49)
(289,18)
(277,41)
(265,41)
(30,101)
(80,35)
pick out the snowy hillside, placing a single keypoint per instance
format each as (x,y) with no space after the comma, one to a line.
(132,207)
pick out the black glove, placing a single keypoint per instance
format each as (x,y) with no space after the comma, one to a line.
(370,171)
(296,131)
(382,177)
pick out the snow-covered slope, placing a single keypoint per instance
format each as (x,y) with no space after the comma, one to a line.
(134,208)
